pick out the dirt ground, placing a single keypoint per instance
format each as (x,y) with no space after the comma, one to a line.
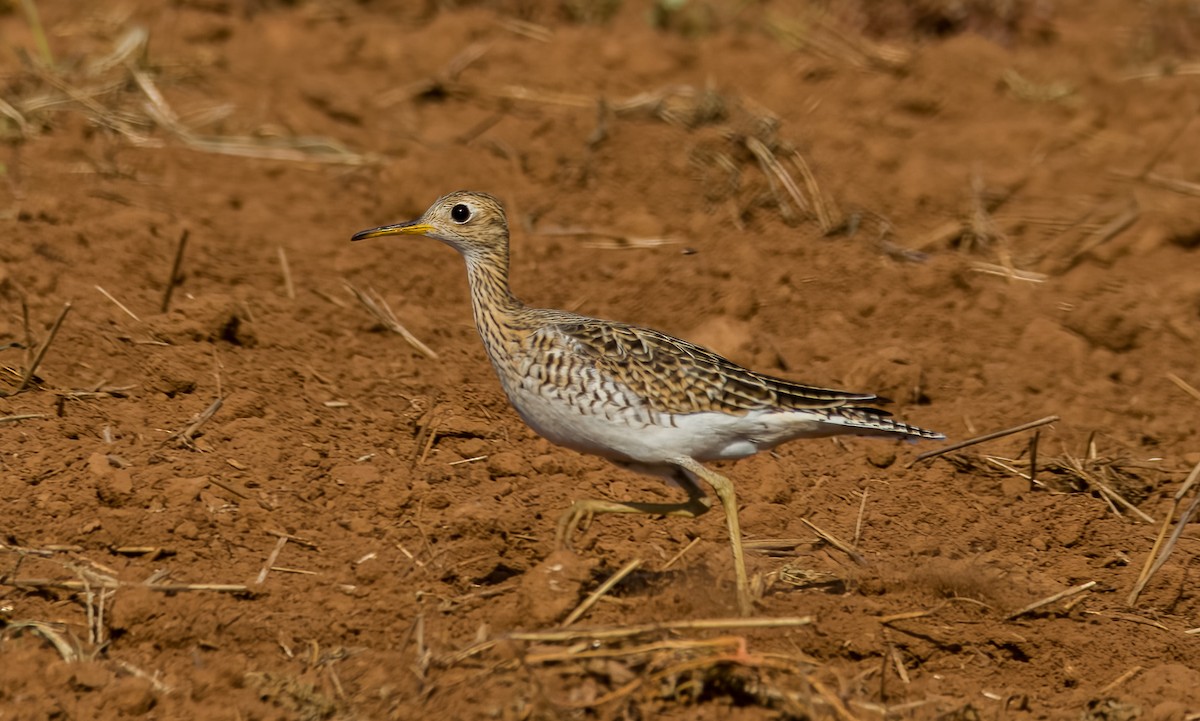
(986,211)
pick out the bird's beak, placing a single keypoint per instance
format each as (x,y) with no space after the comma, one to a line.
(413,227)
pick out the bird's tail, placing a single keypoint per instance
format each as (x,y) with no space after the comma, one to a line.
(873,422)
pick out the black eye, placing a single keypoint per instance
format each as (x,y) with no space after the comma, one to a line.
(460,213)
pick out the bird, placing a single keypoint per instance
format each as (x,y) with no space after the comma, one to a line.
(643,399)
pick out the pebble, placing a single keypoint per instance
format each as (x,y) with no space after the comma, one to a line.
(881,456)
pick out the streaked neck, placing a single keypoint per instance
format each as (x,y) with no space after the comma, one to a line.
(491,300)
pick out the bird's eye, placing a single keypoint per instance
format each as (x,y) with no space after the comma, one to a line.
(460,213)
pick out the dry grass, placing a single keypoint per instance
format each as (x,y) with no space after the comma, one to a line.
(28,376)
(634,668)
(92,588)
(746,136)
(120,92)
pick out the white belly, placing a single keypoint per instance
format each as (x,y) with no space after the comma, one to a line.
(622,428)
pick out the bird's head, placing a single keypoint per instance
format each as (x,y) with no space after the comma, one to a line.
(472,223)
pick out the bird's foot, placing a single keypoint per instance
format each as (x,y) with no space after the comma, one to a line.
(576,518)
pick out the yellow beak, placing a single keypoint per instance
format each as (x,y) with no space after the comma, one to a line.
(412,227)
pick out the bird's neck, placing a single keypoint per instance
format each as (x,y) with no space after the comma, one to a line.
(494,305)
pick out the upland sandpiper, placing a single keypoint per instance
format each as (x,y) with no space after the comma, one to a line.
(640,398)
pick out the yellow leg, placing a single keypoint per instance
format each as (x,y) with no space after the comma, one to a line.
(695,505)
(724,490)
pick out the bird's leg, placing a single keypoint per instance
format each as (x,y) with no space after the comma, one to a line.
(582,510)
(724,490)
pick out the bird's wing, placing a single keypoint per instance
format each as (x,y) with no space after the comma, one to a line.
(679,377)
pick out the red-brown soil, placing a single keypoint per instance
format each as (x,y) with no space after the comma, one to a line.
(1013,223)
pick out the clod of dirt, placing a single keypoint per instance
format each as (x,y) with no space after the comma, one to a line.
(170,376)
(547,464)
(465,427)
(890,372)
(357,525)
(210,318)
(187,530)
(468,447)
(355,474)
(881,456)
(963,578)
(1014,486)
(776,487)
(131,696)
(1069,533)
(1167,681)
(1168,711)
(1115,321)
(133,608)
(506,463)
(182,491)
(114,485)
(89,675)
(1045,339)
(1050,350)
(549,590)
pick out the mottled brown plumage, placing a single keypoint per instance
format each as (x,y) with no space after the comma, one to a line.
(641,398)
